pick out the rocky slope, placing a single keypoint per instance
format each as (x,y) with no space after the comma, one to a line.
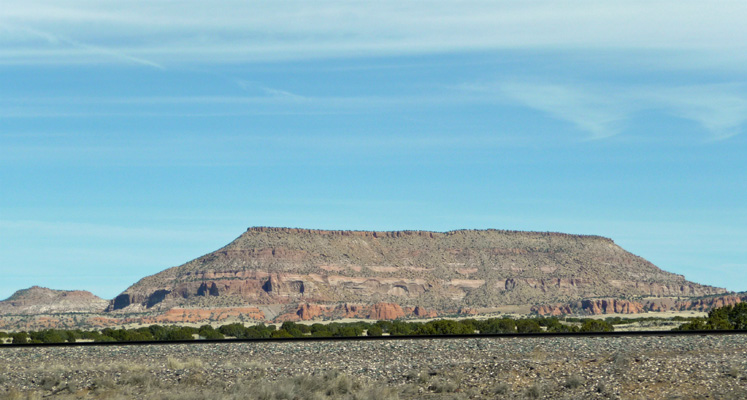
(437,271)
(39,300)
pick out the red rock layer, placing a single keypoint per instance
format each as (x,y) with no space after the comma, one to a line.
(379,311)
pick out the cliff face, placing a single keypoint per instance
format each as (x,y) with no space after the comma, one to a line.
(39,300)
(432,270)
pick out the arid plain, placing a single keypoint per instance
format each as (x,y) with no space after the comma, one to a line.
(651,367)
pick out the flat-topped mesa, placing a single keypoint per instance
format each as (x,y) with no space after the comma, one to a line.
(437,271)
(373,234)
(403,233)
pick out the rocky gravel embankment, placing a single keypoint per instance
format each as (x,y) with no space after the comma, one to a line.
(691,367)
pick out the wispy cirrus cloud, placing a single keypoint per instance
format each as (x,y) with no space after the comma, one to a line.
(600,114)
(60,42)
(602,110)
(720,109)
(164,32)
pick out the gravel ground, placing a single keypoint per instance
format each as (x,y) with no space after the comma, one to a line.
(688,367)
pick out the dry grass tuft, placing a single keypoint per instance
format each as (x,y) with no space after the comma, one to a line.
(191,363)
(574,381)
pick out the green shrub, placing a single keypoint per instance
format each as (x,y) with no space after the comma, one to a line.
(282,333)
(528,326)
(385,326)
(211,334)
(444,327)
(596,325)
(698,324)
(496,325)
(235,330)
(20,338)
(292,328)
(374,330)
(48,336)
(723,318)
(399,328)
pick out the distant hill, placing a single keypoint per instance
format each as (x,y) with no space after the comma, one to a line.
(40,300)
(442,271)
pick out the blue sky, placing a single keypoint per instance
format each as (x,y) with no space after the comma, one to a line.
(135,136)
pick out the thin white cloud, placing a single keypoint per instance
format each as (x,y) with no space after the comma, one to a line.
(603,110)
(721,109)
(95,50)
(600,114)
(165,32)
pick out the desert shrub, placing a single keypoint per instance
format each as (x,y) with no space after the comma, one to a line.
(496,325)
(137,335)
(139,378)
(377,392)
(259,331)
(443,385)
(20,338)
(72,336)
(722,318)
(235,330)
(374,330)
(420,377)
(101,383)
(444,327)
(195,378)
(90,335)
(180,333)
(292,328)
(337,383)
(281,334)
(385,326)
(48,336)
(321,334)
(528,326)
(347,331)
(399,328)
(596,325)
(500,388)
(562,328)
(735,317)
(49,382)
(208,332)
(697,324)
(547,321)
(535,391)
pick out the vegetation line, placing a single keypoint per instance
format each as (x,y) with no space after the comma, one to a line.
(390,338)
